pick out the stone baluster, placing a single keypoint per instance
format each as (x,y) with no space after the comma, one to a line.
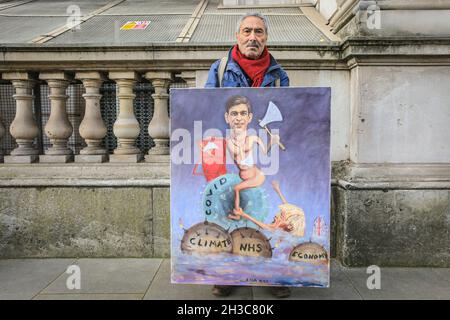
(190,78)
(92,128)
(58,128)
(126,128)
(158,127)
(24,128)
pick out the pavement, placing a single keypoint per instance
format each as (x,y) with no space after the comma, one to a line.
(149,279)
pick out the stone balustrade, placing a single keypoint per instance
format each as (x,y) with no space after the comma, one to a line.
(25,130)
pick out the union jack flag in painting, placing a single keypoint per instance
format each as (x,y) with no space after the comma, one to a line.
(320,228)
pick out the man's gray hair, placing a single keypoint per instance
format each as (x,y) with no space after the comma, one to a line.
(253,14)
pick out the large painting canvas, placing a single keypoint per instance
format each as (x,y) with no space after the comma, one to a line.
(250,186)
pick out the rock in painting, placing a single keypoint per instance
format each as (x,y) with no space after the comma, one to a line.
(250,242)
(309,252)
(206,238)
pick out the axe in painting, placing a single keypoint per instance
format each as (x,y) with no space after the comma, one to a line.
(273,114)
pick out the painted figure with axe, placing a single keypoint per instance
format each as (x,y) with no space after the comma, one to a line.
(238,116)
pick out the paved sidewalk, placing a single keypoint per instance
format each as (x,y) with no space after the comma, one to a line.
(150,279)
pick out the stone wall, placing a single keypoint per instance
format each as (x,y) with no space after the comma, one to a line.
(96,210)
(84,222)
(394,227)
(392,215)
(392,196)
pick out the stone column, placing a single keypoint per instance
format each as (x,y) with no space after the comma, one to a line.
(24,128)
(190,78)
(158,127)
(126,128)
(58,128)
(92,128)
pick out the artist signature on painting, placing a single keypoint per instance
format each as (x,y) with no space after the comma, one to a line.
(253,280)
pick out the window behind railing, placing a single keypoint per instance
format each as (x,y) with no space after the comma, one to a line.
(7,114)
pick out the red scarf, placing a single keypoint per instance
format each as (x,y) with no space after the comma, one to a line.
(255,69)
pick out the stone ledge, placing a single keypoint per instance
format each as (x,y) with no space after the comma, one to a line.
(353,176)
(409,5)
(69,182)
(389,185)
(393,48)
(349,176)
(86,171)
(416,170)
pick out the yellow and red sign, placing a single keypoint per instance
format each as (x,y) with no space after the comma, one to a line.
(134,25)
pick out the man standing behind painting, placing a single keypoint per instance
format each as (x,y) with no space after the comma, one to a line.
(248,64)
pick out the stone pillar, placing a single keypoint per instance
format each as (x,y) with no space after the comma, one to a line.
(158,127)
(126,128)
(190,78)
(24,128)
(92,128)
(58,128)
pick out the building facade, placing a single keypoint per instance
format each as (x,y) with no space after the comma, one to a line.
(85,124)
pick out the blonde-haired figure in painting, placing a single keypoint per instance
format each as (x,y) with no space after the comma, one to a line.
(290,218)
